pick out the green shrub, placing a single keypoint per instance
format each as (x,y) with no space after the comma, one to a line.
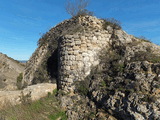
(130,90)
(118,67)
(111,22)
(19,81)
(49,94)
(82,87)
(146,56)
(91,115)
(103,84)
(61,115)
(144,39)
(55,92)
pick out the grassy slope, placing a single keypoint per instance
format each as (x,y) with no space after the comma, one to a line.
(47,108)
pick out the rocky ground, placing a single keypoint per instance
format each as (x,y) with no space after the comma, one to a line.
(124,86)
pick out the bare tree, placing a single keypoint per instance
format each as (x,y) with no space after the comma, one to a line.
(77,7)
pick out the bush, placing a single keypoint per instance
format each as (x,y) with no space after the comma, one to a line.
(61,115)
(146,56)
(78,8)
(111,22)
(118,67)
(149,98)
(144,39)
(19,81)
(103,84)
(82,87)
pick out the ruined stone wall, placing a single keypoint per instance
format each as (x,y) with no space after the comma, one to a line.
(33,64)
(78,53)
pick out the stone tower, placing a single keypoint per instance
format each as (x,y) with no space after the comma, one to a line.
(79,51)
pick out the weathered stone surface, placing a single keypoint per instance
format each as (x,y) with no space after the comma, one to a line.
(35,91)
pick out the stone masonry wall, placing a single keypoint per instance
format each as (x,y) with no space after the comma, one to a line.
(78,53)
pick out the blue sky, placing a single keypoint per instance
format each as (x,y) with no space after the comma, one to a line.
(22,22)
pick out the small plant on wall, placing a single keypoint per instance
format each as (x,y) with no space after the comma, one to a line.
(19,81)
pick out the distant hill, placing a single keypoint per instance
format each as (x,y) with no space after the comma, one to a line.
(22,61)
(9,70)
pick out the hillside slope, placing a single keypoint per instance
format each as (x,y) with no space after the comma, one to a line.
(9,70)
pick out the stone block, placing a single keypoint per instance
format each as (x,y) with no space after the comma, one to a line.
(75,47)
(68,37)
(80,65)
(87,70)
(79,57)
(74,62)
(71,57)
(88,41)
(83,49)
(69,63)
(71,76)
(90,38)
(83,38)
(90,53)
(106,39)
(72,44)
(66,57)
(67,67)
(97,34)
(83,45)
(73,67)
(70,52)
(103,39)
(77,42)
(84,54)
(88,44)
(69,49)
(65,79)
(76,37)
(87,34)
(94,39)
(98,42)
(95,63)
(75,52)
(90,48)
(99,37)
(70,80)
(84,42)
(63,49)
(91,59)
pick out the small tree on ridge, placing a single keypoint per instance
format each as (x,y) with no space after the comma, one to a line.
(77,8)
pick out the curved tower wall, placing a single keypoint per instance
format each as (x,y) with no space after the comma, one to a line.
(78,53)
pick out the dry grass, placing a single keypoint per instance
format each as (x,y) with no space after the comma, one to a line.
(47,108)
